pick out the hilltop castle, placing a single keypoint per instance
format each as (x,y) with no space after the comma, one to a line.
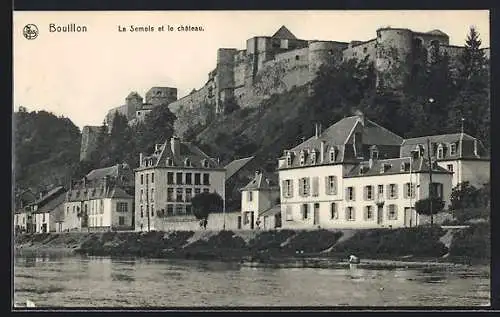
(275,64)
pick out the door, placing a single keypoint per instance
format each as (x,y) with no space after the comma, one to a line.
(252,221)
(408,217)
(277,220)
(380,214)
(316,213)
(239,222)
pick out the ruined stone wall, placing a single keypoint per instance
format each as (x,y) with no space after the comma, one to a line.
(360,51)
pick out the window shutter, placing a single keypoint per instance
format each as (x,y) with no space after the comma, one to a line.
(441,190)
(365,216)
(365,193)
(301,187)
(347,193)
(405,190)
(328,190)
(283,189)
(290,194)
(353,213)
(388,212)
(347,213)
(353,193)
(308,185)
(334,187)
(395,212)
(396,191)
(388,191)
(315,186)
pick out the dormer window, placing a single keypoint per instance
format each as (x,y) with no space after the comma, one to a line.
(419,149)
(169,162)
(405,167)
(313,157)
(204,163)
(187,162)
(302,157)
(385,167)
(333,154)
(453,149)
(440,152)
(363,169)
(289,159)
(374,152)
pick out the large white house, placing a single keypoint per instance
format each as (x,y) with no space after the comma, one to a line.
(460,153)
(167,180)
(351,176)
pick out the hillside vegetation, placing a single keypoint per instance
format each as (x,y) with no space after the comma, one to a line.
(46,149)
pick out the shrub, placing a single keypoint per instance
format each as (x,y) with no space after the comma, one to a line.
(473,242)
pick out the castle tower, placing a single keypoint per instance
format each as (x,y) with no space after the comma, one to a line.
(161,95)
(394,53)
(133,102)
(323,52)
(224,80)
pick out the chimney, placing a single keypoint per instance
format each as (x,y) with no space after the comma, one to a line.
(475,148)
(316,134)
(322,151)
(361,117)
(140,159)
(175,146)
(370,163)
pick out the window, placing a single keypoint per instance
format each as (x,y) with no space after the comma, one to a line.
(305,211)
(289,159)
(333,154)
(121,207)
(100,220)
(101,206)
(121,221)
(43,217)
(350,214)
(350,193)
(405,167)
(188,178)
(331,185)
(187,162)
(170,210)
(206,179)
(170,178)
(179,209)
(152,210)
(152,195)
(296,57)
(249,197)
(197,179)
(188,209)
(440,152)
(287,188)
(189,194)
(170,194)
(304,186)
(152,177)
(453,149)
(178,197)
(74,208)
(147,178)
(206,190)
(369,192)
(392,191)
(302,157)
(313,157)
(437,190)
(409,190)
(374,153)
(67,210)
(169,162)
(450,167)
(380,190)
(178,178)
(392,212)
(204,163)
(365,49)
(368,212)
(197,191)
(333,211)
(142,179)
(141,198)
(246,218)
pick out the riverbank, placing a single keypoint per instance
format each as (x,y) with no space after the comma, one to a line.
(386,248)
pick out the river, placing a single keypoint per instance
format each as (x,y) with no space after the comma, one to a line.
(74,281)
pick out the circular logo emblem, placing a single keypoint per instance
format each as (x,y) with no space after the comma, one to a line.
(30,31)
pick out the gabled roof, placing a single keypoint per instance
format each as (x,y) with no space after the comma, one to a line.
(394,166)
(118,192)
(234,166)
(100,192)
(52,204)
(261,181)
(284,33)
(49,196)
(103,172)
(440,138)
(274,210)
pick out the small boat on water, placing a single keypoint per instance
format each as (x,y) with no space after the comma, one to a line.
(28,304)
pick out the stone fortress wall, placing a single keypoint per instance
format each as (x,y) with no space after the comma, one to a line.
(275,64)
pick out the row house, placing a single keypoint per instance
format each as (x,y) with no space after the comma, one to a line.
(459,153)
(101,201)
(351,176)
(167,180)
(259,201)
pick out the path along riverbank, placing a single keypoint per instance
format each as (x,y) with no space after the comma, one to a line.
(377,248)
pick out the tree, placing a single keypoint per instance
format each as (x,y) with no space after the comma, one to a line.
(158,126)
(205,203)
(469,202)
(464,195)
(423,207)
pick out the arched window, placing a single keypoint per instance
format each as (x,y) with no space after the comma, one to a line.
(187,162)
(440,152)
(333,154)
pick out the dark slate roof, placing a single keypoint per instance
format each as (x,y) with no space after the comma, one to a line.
(261,181)
(187,151)
(49,196)
(284,33)
(96,193)
(464,145)
(118,192)
(394,166)
(103,172)
(52,204)
(274,210)
(234,166)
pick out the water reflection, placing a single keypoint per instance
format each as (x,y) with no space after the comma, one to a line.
(117,282)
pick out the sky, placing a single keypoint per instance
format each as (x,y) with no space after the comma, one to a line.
(83,75)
